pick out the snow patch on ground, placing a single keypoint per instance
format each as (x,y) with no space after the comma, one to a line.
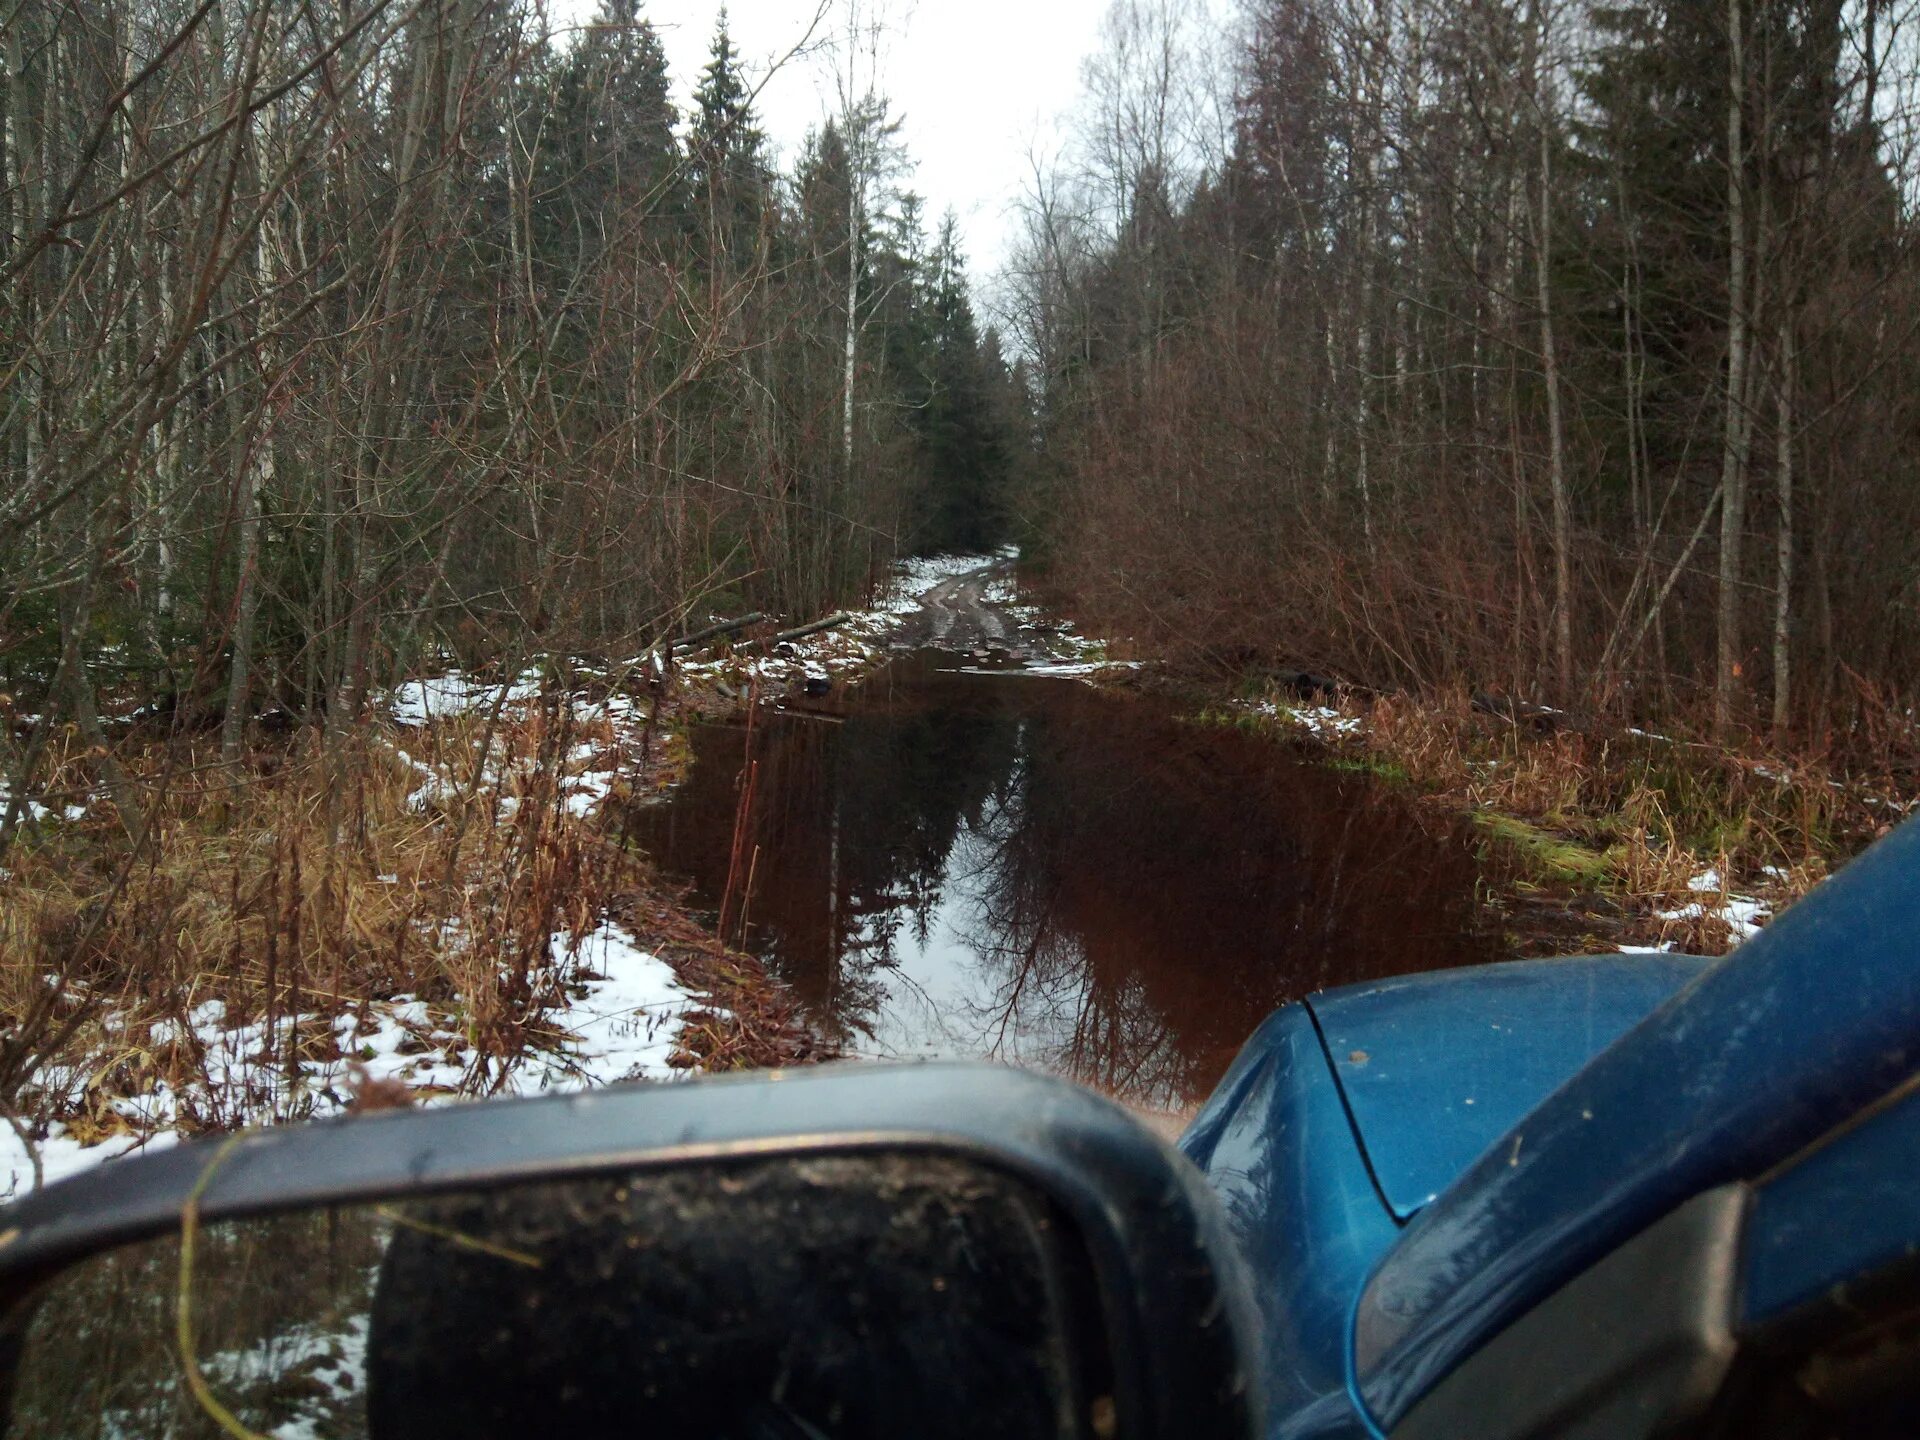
(448,696)
(914,577)
(582,781)
(621,1022)
(1743,915)
(325,1361)
(1323,722)
(1076,669)
(1059,649)
(61,1155)
(331,1361)
(39,813)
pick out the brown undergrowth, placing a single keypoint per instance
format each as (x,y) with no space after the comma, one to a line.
(1607,837)
(425,869)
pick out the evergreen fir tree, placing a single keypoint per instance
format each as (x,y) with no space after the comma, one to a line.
(630,115)
(966,451)
(612,158)
(726,165)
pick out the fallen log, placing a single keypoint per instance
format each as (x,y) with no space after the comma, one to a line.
(716,630)
(1543,719)
(829,623)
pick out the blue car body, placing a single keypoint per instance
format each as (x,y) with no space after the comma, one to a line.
(1345,1115)
(1412,1166)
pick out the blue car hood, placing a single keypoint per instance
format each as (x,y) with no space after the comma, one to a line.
(1799,1031)
(1435,1068)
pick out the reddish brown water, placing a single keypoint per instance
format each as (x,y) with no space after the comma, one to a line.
(960,864)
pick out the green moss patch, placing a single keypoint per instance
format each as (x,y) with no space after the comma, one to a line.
(1542,853)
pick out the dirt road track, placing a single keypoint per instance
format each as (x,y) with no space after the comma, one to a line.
(956,615)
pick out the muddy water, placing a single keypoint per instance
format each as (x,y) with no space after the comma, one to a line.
(965,864)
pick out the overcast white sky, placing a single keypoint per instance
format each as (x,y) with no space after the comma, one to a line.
(978,83)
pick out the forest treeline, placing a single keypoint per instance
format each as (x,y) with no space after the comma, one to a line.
(342,335)
(1561,348)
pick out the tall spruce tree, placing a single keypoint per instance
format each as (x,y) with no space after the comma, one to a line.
(726,161)
(966,451)
(610,163)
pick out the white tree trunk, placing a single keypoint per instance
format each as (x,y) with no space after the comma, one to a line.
(1556,443)
(1783,558)
(1733,474)
(851,359)
(1377,43)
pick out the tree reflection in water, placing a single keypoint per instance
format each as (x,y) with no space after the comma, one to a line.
(1021,868)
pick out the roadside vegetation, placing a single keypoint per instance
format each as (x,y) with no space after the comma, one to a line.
(430,918)
(1527,373)
(387,387)
(1606,838)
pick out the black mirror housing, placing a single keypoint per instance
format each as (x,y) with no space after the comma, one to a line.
(1162,1302)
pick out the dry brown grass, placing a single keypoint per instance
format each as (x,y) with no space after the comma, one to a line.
(436,863)
(1640,817)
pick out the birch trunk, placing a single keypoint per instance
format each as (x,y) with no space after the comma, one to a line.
(1369,228)
(851,357)
(1733,476)
(855,139)
(1783,556)
(1556,444)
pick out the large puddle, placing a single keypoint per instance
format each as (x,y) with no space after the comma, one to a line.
(962,864)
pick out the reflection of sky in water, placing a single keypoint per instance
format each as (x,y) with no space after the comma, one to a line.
(970,973)
(1032,871)
(961,991)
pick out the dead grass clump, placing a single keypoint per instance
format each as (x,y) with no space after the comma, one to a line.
(752,1022)
(1645,817)
(435,864)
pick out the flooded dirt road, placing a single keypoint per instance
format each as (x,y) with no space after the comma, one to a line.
(973,862)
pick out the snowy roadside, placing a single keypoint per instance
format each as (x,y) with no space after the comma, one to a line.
(1742,915)
(615,1007)
(914,577)
(611,1010)
(1322,722)
(862,641)
(1074,656)
(620,1022)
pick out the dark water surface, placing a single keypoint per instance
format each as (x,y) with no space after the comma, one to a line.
(965,864)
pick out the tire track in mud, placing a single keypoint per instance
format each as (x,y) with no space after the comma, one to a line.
(956,615)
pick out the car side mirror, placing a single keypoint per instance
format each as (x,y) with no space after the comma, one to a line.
(856,1251)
